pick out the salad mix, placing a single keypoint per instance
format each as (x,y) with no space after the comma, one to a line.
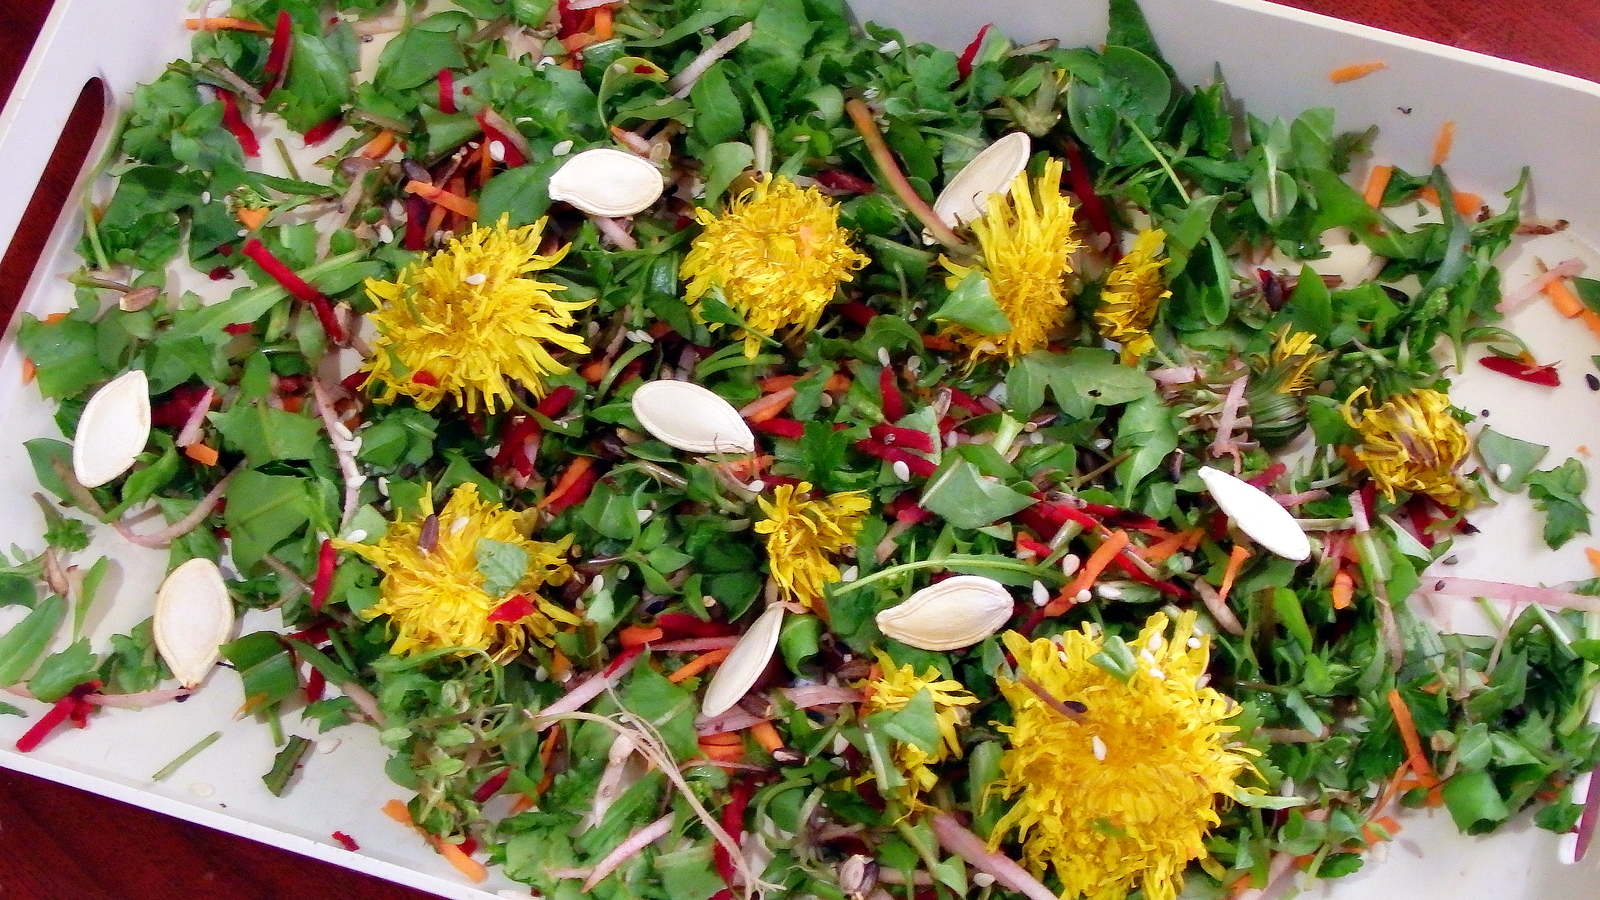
(728,451)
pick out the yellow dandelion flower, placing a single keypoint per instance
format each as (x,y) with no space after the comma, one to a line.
(1122,795)
(1412,443)
(1132,296)
(435,597)
(470,321)
(803,534)
(896,688)
(1026,242)
(1293,357)
(777,254)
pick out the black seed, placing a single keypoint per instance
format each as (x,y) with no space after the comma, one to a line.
(1592,381)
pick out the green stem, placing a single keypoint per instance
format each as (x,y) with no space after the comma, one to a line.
(186,755)
(1162,160)
(91,228)
(1006,435)
(884,157)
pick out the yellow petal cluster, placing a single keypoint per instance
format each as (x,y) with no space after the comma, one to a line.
(1413,443)
(1026,242)
(1121,796)
(434,597)
(803,535)
(1293,357)
(777,254)
(472,321)
(897,687)
(1132,296)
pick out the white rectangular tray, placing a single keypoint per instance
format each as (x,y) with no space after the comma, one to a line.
(1275,59)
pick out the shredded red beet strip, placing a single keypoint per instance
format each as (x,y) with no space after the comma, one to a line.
(964,63)
(1094,208)
(322,131)
(894,405)
(72,706)
(844,182)
(296,286)
(571,19)
(1266,478)
(624,658)
(783,428)
(416,237)
(278,53)
(967,402)
(1037,549)
(919,465)
(905,508)
(675,624)
(346,841)
(232,118)
(1125,518)
(1061,513)
(855,312)
(447,92)
(492,786)
(733,823)
(316,684)
(327,561)
(1545,376)
(512,156)
(514,608)
(909,438)
(1122,562)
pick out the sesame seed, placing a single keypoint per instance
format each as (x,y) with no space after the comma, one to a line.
(914,366)
(205,197)
(756,487)
(1041,594)
(850,574)
(1502,472)
(1158,675)
(643,515)
(1098,746)
(1070,564)
(357,536)
(902,471)
(497,151)
(1192,643)
(598,584)
(883,357)
(476,279)
(982,879)
(458,524)
(1083,596)
(1110,591)
(385,234)
(561,149)
(1154,643)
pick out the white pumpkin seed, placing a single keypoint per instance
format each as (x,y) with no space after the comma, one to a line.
(690,417)
(606,182)
(957,612)
(193,619)
(1261,518)
(112,430)
(990,172)
(744,665)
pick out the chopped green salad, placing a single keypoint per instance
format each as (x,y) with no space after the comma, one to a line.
(729,451)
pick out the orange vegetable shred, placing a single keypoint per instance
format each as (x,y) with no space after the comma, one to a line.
(1357,70)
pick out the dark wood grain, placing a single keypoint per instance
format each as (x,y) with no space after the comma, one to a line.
(58,842)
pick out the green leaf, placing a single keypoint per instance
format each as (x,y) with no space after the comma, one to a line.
(521,194)
(1588,290)
(1474,802)
(262,512)
(966,498)
(502,565)
(1148,432)
(65,354)
(285,764)
(316,86)
(416,55)
(1518,457)
(1080,379)
(60,672)
(22,646)
(721,165)
(799,640)
(972,305)
(264,434)
(1558,493)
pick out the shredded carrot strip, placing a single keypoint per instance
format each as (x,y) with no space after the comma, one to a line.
(723,739)
(639,635)
(1413,741)
(1377,183)
(1467,203)
(379,145)
(769,406)
(523,803)
(1563,299)
(485,166)
(1162,550)
(1443,143)
(251,217)
(721,752)
(578,41)
(29,370)
(396,810)
(226,23)
(292,403)
(1591,321)
(603,29)
(1236,558)
(1092,567)
(54,318)
(592,372)
(560,665)
(464,864)
(935,342)
(1343,590)
(1357,70)
(699,664)
(202,454)
(1594,558)
(767,736)
(440,197)
(568,480)
(778,382)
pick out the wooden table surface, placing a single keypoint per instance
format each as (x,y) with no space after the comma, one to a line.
(58,842)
